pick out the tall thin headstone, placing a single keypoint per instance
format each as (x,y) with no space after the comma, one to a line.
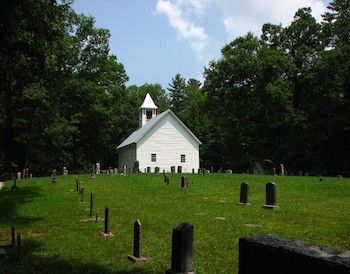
(65,171)
(184,182)
(93,172)
(19,246)
(181,257)
(137,257)
(179,169)
(136,166)
(82,194)
(53,176)
(244,194)
(124,171)
(282,169)
(98,168)
(92,203)
(13,236)
(148,169)
(270,196)
(107,221)
(172,169)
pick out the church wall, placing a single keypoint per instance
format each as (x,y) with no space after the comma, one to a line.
(168,140)
(127,156)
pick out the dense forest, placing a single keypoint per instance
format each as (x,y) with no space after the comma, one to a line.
(283,96)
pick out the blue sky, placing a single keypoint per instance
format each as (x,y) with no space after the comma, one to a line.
(155,39)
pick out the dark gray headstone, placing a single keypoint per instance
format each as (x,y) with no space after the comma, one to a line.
(179,169)
(137,257)
(181,257)
(82,194)
(172,168)
(92,203)
(192,170)
(269,254)
(13,236)
(148,169)
(184,182)
(270,196)
(107,220)
(244,194)
(19,246)
(156,170)
(77,184)
(53,176)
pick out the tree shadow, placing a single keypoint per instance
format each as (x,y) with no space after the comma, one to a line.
(30,262)
(12,200)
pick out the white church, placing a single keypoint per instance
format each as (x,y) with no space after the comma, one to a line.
(161,140)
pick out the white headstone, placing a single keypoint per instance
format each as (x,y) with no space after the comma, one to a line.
(65,171)
(282,169)
(19,175)
(98,168)
(1,185)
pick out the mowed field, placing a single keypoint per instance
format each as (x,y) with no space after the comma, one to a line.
(59,237)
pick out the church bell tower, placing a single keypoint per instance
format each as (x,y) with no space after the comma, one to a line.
(148,110)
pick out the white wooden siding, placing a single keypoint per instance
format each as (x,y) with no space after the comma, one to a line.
(168,139)
(127,156)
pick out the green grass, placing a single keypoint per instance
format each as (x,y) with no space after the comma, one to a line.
(59,238)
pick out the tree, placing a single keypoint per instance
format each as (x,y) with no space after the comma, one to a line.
(177,91)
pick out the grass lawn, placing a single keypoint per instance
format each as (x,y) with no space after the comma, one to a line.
(58,236)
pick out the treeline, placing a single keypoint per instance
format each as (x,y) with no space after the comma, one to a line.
(283,96)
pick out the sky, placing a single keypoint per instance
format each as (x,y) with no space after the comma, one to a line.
(156,39)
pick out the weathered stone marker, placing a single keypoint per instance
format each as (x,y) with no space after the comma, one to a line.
(192,170)
(172,168)
(13,236)
(107,231)
(148,169)
(269,254)
(181,257)
(137,257)
(53,176)
(184,182)
(82,194)
(92,203)
(65,171)
(270,196)
(179,169)
(156,170)
(124,170)
(19,246)
(77,184)
(93,172)
(244,194)
(136,166)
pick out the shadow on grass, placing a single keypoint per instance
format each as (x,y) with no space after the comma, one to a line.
(30,262)
(11,201)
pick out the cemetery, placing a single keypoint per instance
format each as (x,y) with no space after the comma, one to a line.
(142,223)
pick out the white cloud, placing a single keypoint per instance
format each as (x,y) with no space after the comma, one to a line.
(242,16)
(179,16)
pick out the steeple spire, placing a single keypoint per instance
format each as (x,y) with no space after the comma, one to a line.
(148,110)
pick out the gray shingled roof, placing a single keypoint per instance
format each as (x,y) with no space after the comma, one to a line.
(139,133)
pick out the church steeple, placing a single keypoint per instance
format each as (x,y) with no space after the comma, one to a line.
(148,110)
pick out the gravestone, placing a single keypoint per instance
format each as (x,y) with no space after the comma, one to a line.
(273,171)
(179,169)
(93,172)
(156,170)
(136,166)
(13,236)
(300,173)
(137,257)
(269,254)
(1,185)
(19,176)
(192,170)
(107,231)
(270,196)
(53,176)
(77,184)
(92,203)
(181,255)
(229,171)
(166,179)
(19,246)
(115,171)
(282,169)
(98,168)
(172,169)
(244,194)
(148,169)
(82,194)
(184,182)
(211,170)
(124,171)
(65,171)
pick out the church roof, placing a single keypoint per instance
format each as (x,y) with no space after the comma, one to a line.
(142,131)
(148,102)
